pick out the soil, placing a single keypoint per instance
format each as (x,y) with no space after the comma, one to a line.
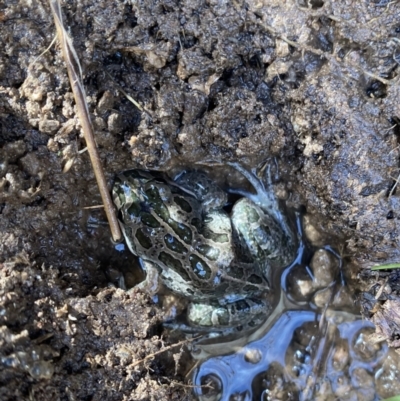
(313,85)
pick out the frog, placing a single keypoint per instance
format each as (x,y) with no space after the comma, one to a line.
(220,261)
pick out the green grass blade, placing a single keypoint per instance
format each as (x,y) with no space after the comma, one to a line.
(395,398)
(389,266)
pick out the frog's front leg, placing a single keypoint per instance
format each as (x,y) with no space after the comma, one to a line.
(151,284)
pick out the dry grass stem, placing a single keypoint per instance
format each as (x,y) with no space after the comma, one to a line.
(44,51)
(321,53)
(75,79)
(93,207)
(394,186)
(183,342)
(129,97)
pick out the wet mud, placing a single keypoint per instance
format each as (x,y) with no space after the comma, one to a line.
(312,85)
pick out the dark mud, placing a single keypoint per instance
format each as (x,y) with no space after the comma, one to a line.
(313,84)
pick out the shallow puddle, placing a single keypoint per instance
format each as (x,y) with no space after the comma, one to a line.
(314,346)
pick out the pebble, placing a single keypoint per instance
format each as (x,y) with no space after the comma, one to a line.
(341,356)
(324,267)
(387,378)
(311,232)
(106,103)
(364,349)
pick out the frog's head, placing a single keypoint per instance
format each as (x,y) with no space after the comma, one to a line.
(126,196)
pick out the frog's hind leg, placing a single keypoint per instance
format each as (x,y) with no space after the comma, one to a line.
(260,236)
(242,312)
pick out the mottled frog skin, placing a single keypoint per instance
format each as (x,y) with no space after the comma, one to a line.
(221,262)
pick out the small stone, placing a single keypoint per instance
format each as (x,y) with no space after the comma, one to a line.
(299,284)
(32,109)
(300,123)
(12,151)
(98,123)
(41,370)
(49,126)
(212,386)
(52,145)
(366,350)
(278,67)
(253,355)
(312,234)
(114,123)
(324,391)
(282,48)
(360,378)
(341,356)
(304,287)
(30,164)
(341,387)
(106,102)
(124,355)
(3,166)
(324,268)
(387,378)
(343,298)
(322,297)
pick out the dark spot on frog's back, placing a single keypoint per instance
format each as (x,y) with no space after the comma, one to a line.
(199,267)
(241,305)
(183,231)
(157,204)
(255,279)
(183,204)
(134,210)
(196,222)
(149,220)
(174,264)
(248,288)
(174,244)
(143,239)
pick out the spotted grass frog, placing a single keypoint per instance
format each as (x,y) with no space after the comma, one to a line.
(219,261)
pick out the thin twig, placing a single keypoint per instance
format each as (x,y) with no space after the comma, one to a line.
(129,97)
(93,207)
(321,53)
(183,342)
(394,186)
(75,79)
(44,51)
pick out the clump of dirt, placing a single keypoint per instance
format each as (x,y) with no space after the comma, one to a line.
(58,345)
(312,83)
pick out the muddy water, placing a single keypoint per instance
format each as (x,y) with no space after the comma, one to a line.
(314,346)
